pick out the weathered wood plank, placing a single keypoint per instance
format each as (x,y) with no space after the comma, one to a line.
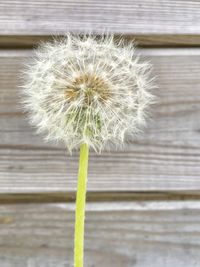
(165,157)
(21,17)
(128,234)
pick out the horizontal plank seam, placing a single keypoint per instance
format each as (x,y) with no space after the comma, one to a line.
(55,197)
(143,40)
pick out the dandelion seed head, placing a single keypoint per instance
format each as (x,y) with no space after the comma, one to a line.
(87,90)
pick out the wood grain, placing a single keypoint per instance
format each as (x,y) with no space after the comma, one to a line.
(128,234)
(178,18)
(165,157)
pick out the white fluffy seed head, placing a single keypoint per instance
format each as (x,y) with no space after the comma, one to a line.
(87,89)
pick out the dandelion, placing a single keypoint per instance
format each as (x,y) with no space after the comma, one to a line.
(88,92)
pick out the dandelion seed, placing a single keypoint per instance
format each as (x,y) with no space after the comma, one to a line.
(87,90)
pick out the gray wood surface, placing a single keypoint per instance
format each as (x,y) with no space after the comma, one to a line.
(21,17)
(165,157)
(128,234)
(143,201)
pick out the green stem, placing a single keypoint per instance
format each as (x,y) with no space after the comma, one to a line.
(80,206)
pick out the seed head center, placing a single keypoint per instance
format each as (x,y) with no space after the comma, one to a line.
(89,88)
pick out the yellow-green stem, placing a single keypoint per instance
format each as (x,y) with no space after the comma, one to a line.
(80,206)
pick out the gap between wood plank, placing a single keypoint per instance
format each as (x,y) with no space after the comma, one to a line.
(57,197)
(155,40)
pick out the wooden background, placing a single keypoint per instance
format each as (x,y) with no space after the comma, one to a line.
(143,201)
